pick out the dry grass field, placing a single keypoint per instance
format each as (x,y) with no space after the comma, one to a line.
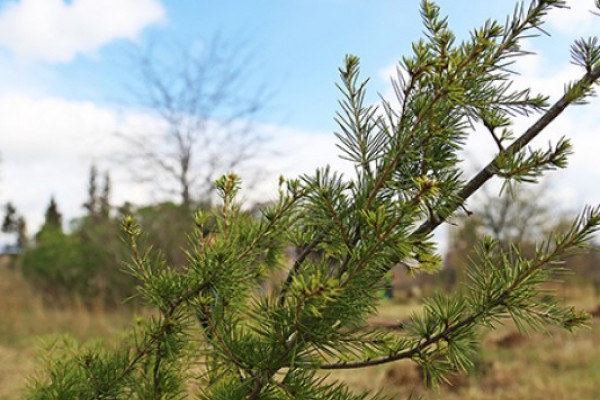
(27,324)
(557,366)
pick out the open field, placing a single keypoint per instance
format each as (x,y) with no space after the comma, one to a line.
(27,324)
(512,366)
(557,365)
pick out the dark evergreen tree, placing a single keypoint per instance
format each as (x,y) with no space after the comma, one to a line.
(15,224)
(53,218)
(105,197)
(92,205)
(22,238)
(10,218)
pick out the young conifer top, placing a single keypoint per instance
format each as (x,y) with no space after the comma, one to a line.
(215,333)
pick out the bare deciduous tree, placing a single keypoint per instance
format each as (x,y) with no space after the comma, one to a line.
(516,216)
(205,108)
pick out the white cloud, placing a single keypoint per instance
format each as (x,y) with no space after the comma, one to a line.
(47,145)
(577,20)
(55,31)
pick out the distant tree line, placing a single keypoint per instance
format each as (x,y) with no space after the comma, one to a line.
(87,259)
(207,112)
(84,261)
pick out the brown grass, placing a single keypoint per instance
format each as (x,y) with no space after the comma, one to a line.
(557,365)
(27,321)
(512,365)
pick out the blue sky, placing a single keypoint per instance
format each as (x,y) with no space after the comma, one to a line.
(297,47)
(65,66)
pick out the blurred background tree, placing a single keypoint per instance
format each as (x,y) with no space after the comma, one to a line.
(521,216)
(204,124)
(15,224)
(86,261)
(205,110)
(515,216)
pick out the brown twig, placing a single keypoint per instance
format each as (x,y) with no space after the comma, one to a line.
(492,168)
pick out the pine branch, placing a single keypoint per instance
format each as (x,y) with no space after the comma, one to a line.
(349,233)
(583,227)
(298,264)
(491,169)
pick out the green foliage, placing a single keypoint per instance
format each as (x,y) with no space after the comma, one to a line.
(54,265)
(166,225)
(89,261)
(85,263)
(349,232)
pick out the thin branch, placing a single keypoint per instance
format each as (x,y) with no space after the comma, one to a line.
(492,168)
(156,371)
(492,129)
(561,248)
(297,264)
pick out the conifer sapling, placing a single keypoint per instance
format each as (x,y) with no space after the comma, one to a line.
(217,335)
